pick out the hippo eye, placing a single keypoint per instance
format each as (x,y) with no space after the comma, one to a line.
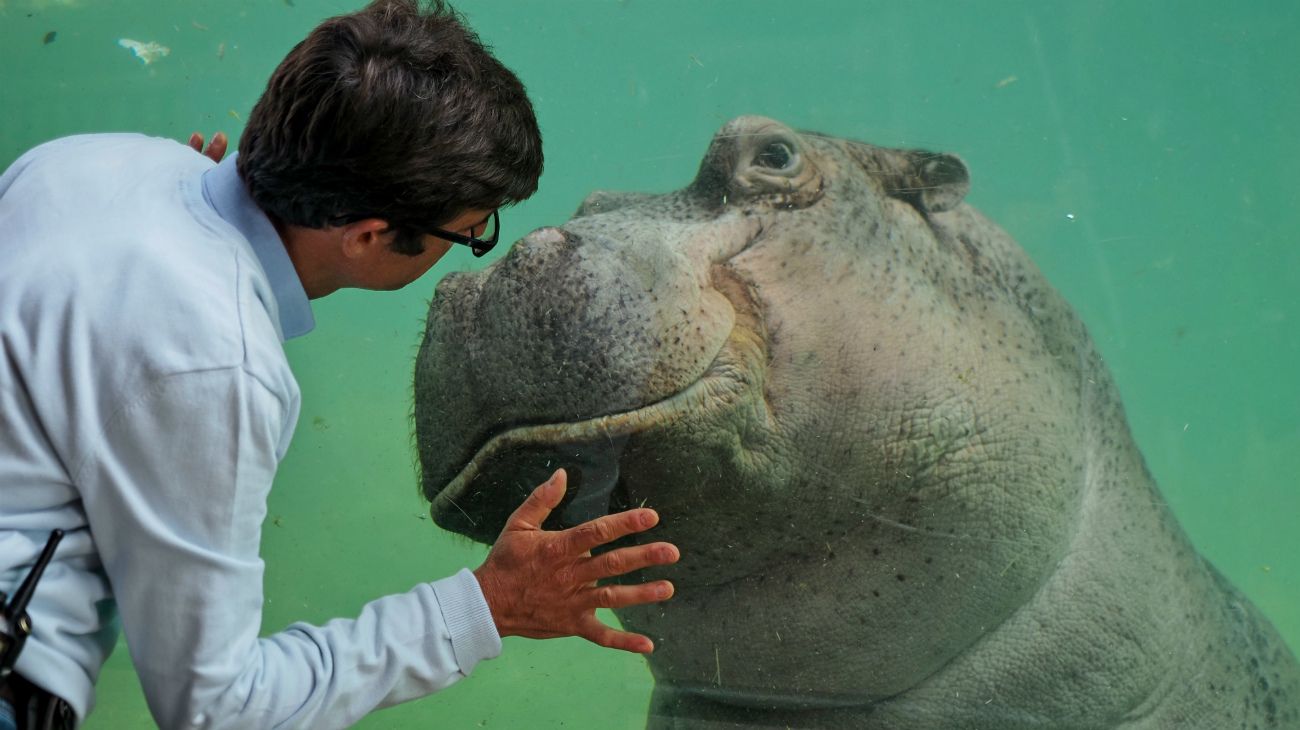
(775,156)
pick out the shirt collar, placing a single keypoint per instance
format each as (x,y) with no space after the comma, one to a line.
(225,191)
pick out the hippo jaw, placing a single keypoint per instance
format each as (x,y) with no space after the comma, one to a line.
(589,448)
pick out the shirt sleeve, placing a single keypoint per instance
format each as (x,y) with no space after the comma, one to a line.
(176,495)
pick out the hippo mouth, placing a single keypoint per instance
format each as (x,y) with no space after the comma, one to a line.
(595,443)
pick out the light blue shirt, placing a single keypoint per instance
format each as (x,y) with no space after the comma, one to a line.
(145,403)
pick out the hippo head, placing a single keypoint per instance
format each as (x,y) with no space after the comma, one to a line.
(853,400)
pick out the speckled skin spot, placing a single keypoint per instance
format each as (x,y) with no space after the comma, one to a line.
(898,471)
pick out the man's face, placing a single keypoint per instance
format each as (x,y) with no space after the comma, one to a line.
(387,269)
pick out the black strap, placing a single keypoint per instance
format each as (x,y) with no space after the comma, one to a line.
(37,709)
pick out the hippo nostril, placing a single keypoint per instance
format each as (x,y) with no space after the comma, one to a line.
(547,236)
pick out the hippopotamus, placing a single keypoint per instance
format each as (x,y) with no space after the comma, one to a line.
(898,472)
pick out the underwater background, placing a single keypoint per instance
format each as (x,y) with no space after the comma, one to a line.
(1143,153)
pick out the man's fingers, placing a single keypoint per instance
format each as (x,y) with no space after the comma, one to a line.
(217,149)
(598,633)
(609,528)
(617,596)
(537,507)
(626,560)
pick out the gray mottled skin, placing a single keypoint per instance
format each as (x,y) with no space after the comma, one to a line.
(898,471)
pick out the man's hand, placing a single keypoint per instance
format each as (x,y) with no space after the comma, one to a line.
(542,583)
(215,151)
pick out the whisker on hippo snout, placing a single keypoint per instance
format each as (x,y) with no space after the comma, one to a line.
(472,521)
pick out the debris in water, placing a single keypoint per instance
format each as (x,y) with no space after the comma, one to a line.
(221,50)
(1006,82)
(235,115)
(49,37)
(198,25)
(146,52)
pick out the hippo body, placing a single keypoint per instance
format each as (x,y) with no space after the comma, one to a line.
(900,476)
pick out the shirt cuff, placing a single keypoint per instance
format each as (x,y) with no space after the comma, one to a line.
(469,621)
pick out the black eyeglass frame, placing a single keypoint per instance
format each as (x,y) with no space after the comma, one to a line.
(479,246)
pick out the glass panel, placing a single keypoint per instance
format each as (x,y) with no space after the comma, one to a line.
(909,487)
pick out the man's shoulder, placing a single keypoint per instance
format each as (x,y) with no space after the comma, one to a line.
(143,261)
(106,143)
(90,151)
(84,172)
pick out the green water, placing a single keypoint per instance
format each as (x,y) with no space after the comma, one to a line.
(1142,152)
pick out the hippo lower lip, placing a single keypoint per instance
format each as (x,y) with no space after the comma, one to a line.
(726,379)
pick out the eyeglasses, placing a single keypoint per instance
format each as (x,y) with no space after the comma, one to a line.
(480,244)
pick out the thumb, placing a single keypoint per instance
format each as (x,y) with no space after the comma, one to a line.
(537,507)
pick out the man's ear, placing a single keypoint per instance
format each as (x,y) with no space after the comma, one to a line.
(364,236)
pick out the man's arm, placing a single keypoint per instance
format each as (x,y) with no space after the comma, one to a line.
(176,496)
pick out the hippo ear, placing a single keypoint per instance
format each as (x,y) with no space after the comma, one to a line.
(941,178)
(931,181)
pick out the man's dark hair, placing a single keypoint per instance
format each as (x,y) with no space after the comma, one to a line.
(395,112)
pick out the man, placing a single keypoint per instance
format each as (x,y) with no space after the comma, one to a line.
(145,398)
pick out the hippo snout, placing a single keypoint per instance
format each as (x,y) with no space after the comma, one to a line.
(594,318)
